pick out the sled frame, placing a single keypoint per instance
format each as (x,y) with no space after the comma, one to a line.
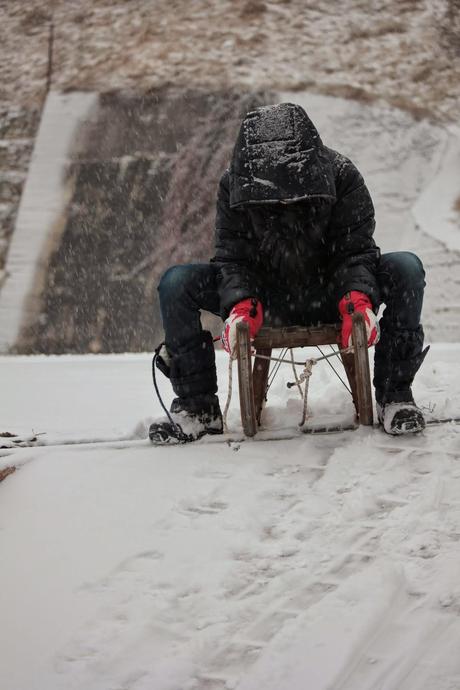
(253,378)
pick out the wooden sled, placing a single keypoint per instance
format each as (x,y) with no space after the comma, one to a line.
(253,378)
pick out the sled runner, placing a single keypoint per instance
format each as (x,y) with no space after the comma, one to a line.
(253,378)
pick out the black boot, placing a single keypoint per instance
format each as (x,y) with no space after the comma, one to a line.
(192,371)
(401,417)
(191,368)
(398,357)
(190,419)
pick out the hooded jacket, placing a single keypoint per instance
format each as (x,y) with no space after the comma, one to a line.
(292,214)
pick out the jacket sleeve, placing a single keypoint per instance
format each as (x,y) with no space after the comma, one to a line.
(236,252)
(353,254)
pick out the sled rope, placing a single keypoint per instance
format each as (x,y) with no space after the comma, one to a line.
(275,368)
(305,376)
(297,380)
(334,353)
(306,373)
(345,351)
(229,395)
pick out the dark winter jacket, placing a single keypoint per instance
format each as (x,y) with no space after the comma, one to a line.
(321,236)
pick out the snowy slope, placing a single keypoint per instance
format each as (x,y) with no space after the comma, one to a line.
(320,562)
(442,219)
(397,155)
(325,562)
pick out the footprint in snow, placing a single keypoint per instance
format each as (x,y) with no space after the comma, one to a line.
(211,508)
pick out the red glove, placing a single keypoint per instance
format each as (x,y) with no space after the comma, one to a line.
(358,301)
(249,310)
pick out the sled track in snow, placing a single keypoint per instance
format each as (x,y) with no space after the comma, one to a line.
(16,443)
(233,441)
(305,610)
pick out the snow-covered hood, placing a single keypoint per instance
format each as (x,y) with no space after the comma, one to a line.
(279,155)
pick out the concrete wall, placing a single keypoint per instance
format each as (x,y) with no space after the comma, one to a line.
(141,184)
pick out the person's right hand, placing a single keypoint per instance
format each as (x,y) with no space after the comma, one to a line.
(249,310)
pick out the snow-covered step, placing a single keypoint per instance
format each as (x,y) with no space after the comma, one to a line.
(437,210)
(41,203)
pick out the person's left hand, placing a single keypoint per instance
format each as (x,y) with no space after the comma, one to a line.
(357,301)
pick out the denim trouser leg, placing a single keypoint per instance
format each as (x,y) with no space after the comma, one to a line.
(183,291)
(398,355)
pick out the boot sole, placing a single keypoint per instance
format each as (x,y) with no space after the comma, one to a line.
(158,440)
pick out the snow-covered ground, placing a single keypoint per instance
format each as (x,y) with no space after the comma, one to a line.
(326,562)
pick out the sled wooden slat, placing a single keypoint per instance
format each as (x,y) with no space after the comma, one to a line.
(259,380)
(297,336)
(253,381)
(248,410)
(362,373)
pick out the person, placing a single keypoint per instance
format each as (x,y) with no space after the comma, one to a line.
(293,246)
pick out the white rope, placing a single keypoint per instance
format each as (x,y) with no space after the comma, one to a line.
(305,376)
(229,395)
(297,380)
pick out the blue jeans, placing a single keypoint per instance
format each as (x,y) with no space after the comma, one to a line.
(185,290)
